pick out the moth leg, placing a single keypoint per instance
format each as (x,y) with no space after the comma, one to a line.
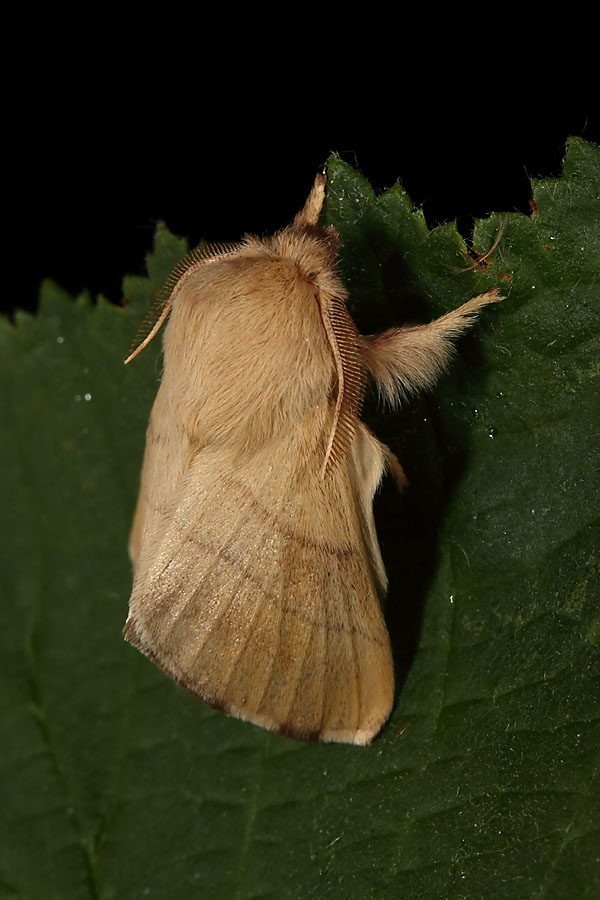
(403,360)
(394,468)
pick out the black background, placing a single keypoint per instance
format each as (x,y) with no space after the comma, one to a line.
(102,144)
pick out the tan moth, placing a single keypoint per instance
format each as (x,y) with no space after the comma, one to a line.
(257,571)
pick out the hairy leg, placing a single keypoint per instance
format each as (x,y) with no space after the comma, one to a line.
(403,360)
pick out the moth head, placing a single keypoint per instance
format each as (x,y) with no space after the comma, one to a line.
(312,249)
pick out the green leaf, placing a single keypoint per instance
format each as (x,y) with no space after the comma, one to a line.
(118,784)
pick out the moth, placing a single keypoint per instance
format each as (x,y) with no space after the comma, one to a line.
(258,577)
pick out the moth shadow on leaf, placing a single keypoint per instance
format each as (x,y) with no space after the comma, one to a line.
(433,444)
